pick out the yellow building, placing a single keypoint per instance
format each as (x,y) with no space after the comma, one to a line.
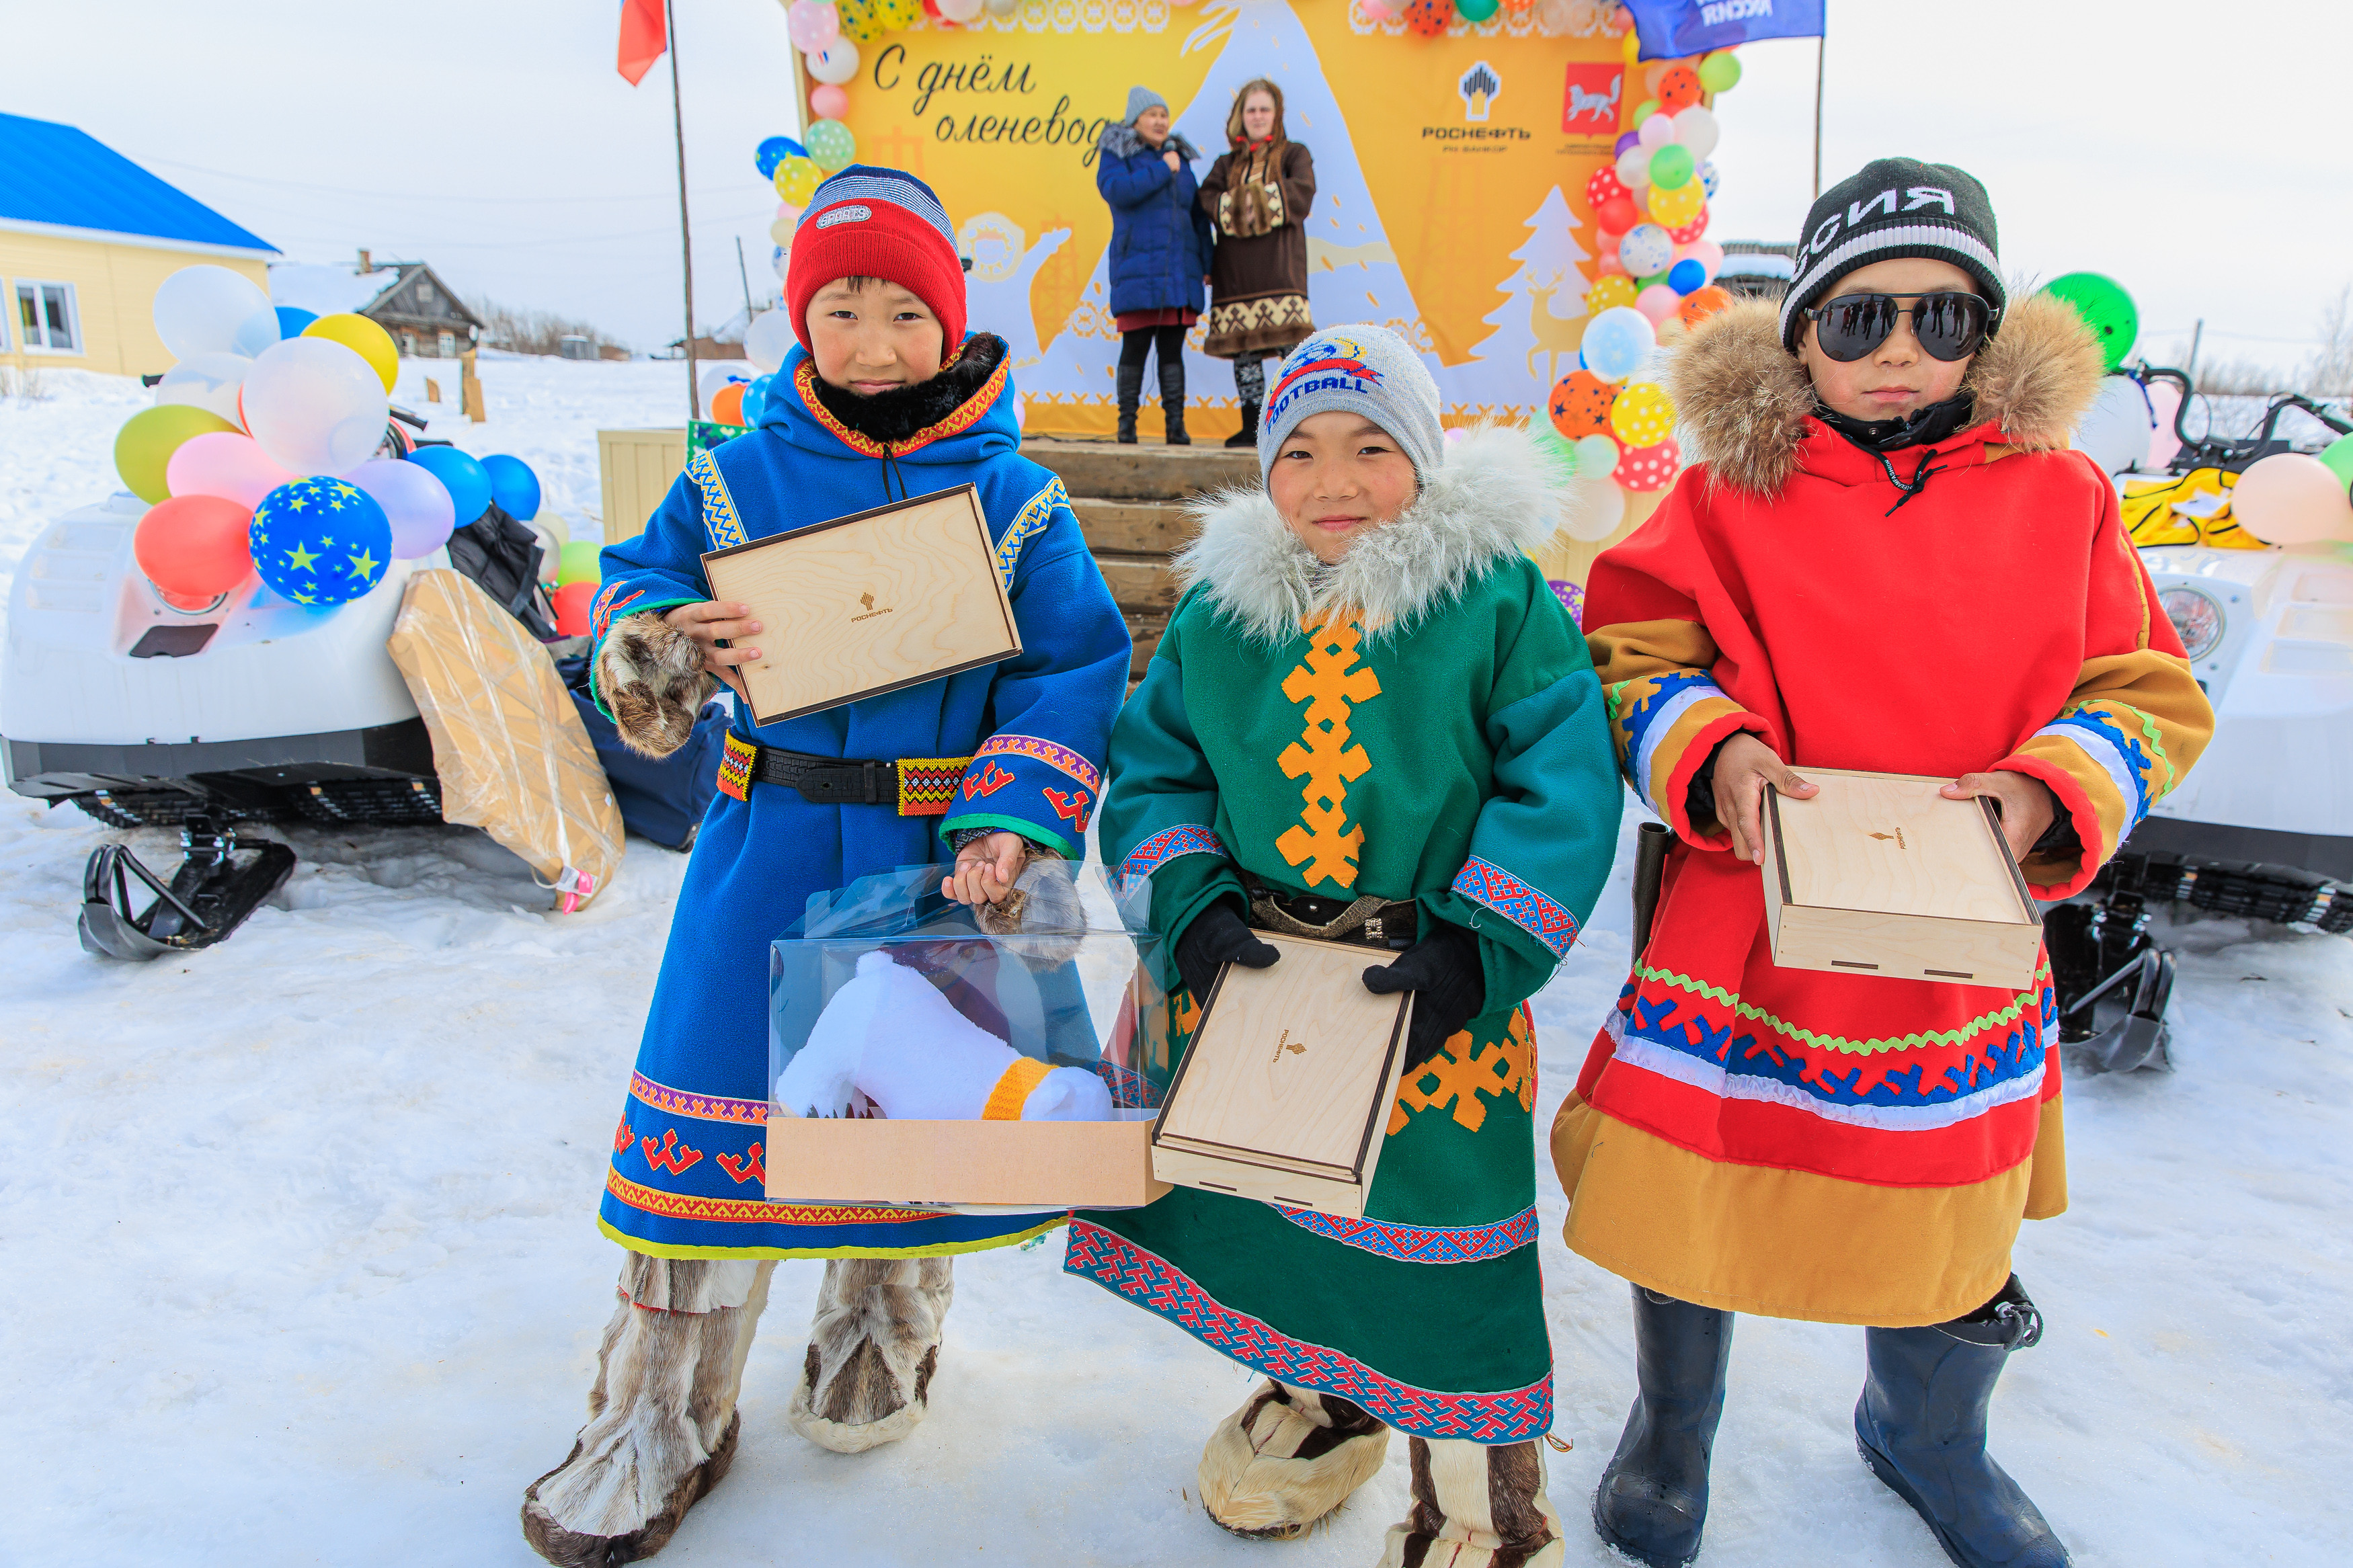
(86,236)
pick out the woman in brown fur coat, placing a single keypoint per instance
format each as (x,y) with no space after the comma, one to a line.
(1258,196)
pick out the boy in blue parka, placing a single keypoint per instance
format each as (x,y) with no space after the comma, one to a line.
(886,397)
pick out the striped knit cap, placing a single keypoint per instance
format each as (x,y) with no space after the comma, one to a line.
(1896,207)
(871,222)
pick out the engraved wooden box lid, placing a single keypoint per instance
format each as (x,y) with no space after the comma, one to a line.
(1286,1086)
(1880,874)
(870,602)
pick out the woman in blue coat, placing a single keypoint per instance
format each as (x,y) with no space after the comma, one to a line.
(1160,242)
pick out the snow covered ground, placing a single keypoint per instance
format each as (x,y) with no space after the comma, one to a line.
(306,1270)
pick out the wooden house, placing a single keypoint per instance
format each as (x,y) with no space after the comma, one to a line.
(86,237)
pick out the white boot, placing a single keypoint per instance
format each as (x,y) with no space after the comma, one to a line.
(1476,1505)
(661,1417)
(1286,1460)
(872,1349)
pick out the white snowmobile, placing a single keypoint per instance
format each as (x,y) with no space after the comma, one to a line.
(143,712)
(2263,826)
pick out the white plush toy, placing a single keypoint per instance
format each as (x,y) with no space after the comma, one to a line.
(890,1036)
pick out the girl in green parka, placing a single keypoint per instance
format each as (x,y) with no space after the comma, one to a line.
(1371,720)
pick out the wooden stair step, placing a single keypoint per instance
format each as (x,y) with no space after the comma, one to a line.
(1143,583)
(1144,472)
(1133,527)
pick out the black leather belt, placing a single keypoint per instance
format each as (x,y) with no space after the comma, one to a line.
(915,786)
(1363,923)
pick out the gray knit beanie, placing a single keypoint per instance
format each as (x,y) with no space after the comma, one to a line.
(1362,369)
(1140,98)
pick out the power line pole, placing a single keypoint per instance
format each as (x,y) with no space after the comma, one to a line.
(1821,45)
(685,234)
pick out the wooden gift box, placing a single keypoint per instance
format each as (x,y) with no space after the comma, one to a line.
(868,603)
(1879,874)
(1284,1093)
(861,1158)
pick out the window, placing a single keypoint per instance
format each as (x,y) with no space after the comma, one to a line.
(408,344)
(448,345)
(45,312)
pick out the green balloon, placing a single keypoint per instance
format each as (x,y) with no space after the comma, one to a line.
(832,145)
(2338,456)
(144,445)
(579,564)
(1476,10)
(1644,110)
(1720,72)
(2106,308)
(1672,167)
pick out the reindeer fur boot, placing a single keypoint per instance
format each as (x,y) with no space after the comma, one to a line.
(652,676)
(867,1377)
(1286,1460)
(661,1417)
(1476,1507)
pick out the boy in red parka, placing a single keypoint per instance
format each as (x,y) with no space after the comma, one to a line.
(1887,561)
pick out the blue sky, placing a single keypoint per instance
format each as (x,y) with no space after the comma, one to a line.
(2201,166)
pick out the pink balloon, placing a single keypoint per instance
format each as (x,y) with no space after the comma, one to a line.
(1380,10)
(2164,403)
(2291,499)
(224,464)
(417,504)
(827,101)
(811,24)
(1658,303)
(1706,252)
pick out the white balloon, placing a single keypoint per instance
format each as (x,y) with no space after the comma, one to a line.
(723,373)
(205,310)
(960,10)
(1592,509)
(1657,130)
(1635,166)
(836,63)
(417,504)
(209,381)
(1695,128)
(2116,432)
(782,262)
(315,406)
(768,340)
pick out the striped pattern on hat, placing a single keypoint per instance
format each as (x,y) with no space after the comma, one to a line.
(862,182)
(1894,207)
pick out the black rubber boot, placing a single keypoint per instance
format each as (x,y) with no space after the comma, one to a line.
(1651,1504)
(1248,435)
(1172,402)
(1921,1424)
(1131,392)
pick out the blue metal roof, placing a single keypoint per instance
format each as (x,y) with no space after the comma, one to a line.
(53,174)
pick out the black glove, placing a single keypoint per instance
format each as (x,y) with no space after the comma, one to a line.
(1444,966)
(1217,936)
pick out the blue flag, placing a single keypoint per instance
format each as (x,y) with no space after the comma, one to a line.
(1671,29)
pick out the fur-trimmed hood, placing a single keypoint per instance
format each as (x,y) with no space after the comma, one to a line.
(1745,401)
(1494,497)
(1126,141)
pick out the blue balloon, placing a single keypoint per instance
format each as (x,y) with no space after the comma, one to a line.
(320,541)
(513,486)
(469,485)
(775,151)
(290,321)
(1707,178)
(1616,342)
(1687,276)
(756,400)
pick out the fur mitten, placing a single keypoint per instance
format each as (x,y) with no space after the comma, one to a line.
(661,1417)
(652,676)
(867,1378)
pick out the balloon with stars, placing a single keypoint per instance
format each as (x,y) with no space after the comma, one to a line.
(321,541)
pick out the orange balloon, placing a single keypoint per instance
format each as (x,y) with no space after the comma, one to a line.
(727,403)
(195,546)
(1679,88)
(1580,405)
(1703,302)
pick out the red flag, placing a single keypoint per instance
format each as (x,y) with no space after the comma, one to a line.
(643,38)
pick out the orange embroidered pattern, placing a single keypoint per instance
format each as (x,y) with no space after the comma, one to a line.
(1330,688)
(752,1211)
(967,413)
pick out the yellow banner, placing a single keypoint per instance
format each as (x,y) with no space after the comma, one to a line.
(1451,176)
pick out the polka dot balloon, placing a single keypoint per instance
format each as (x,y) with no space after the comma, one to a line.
(1641,417)
(1650,467)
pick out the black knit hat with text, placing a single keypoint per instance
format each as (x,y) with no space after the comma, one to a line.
(1896,207)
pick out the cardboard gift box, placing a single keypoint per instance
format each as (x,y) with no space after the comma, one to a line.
(1287,1084)
(868,603)
(915,1059)
(1880,874)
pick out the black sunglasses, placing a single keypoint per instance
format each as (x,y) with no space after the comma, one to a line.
(1950,326)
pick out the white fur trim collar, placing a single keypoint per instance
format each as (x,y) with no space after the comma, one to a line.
(1494,496)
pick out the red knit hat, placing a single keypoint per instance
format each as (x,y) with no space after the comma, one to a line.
(866,222)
